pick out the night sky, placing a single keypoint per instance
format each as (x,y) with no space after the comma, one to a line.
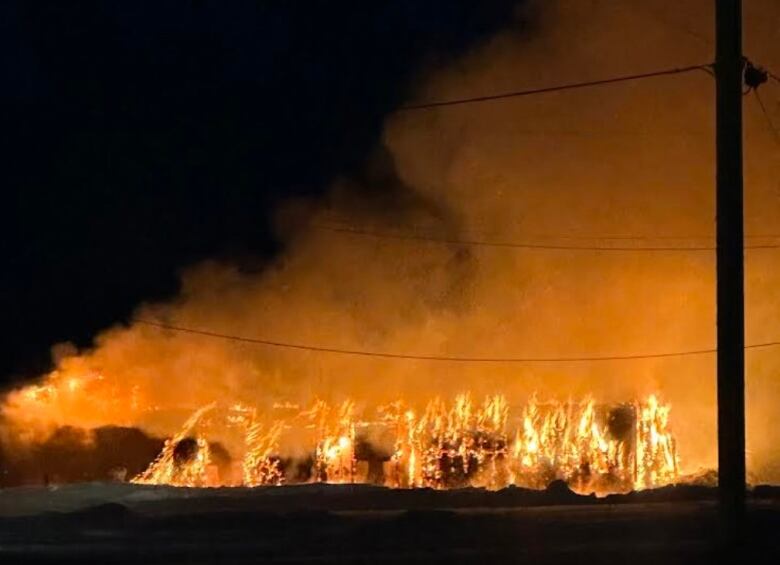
(142,137)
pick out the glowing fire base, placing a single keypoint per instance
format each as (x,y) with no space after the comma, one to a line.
(594,448)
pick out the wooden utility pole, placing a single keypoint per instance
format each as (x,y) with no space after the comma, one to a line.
(730,265)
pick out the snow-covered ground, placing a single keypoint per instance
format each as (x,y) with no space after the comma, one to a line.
(147,499)
(114,522)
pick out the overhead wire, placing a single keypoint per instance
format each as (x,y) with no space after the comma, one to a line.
(673,24)
(444,358)
(474,359)
(769,122)
(355,231)
(543,246)
(558,88)
(335,222)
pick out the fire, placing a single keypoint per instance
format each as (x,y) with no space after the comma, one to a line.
(335,446)
(85,399)
(438,444)
(259,466)
(594,448)
(181,471)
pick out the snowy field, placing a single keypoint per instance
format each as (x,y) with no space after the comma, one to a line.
(121,523)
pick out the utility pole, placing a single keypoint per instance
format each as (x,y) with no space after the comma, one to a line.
(730,265)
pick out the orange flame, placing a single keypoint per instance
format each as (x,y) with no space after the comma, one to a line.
(593,448)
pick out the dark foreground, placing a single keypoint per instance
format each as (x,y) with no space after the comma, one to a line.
(345,524)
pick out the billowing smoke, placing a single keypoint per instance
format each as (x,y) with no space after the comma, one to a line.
(563,169)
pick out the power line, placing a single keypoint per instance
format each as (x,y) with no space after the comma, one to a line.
(641,237)
(673,24)
(544,90)
(767,116)
(520,245)
(337,223)
(539,132)
(453,359)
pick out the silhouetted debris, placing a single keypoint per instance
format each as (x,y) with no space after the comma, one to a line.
(73,455)
(559,492)
(185,451)
(669,493)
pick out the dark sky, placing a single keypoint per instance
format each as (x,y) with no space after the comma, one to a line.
(141,137)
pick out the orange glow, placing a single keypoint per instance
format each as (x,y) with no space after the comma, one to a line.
(593,448)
